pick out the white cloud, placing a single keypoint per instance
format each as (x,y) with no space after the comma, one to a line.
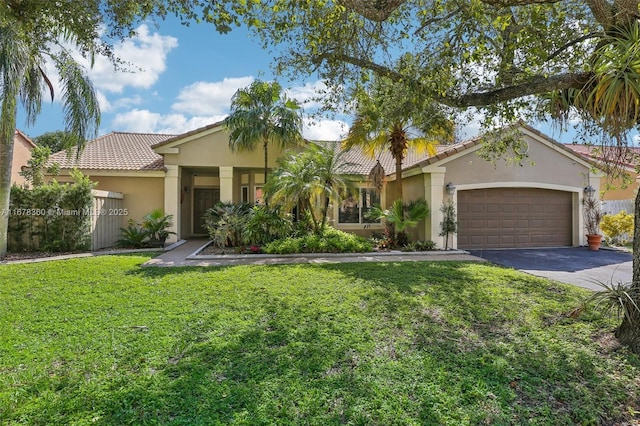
(325,130)
(209,98)
(145,55)
(145,121)
(307,93)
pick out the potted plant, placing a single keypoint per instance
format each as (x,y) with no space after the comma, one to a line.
(157,225)
(592,218)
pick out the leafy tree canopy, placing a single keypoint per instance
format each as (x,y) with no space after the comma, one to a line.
(509,57)
(56,141)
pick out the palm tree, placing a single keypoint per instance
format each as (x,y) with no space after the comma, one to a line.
(611,101)
(385,118)
(311,180)
(399,217)
(23,81)
(262,114)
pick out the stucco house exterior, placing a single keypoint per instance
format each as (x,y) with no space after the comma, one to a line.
(498,205)
(612,187)
(22,147)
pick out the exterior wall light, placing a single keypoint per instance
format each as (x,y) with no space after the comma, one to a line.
(589,191)
(451,188)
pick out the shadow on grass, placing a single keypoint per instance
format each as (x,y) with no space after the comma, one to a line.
(375,343)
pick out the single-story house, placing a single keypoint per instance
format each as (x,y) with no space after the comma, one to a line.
(498,205)
(22,147)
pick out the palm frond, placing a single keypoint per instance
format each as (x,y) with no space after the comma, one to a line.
(79,100)
(377,176)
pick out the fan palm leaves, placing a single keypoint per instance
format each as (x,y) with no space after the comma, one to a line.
(388,118)
(23,81)
(311,180)
(399,217)
(611,97)
(261,115)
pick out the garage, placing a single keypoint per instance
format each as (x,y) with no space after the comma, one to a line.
(514,218)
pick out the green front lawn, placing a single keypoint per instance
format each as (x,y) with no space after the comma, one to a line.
(103,341)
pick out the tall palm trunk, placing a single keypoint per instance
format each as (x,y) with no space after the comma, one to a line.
(266,168)
(398,148)
(629,331)
(7,130)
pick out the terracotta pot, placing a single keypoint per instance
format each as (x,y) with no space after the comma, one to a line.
(593,241)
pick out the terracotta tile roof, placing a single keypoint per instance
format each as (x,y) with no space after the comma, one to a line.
(362,163)
(24,137)
(116,151)
(445,151)
(628,156)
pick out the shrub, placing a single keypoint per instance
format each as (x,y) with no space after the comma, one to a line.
(331,241)
(616,227)
(449,224)
(225,222)
(427,245)
(53,217)
(152,232)
(133,236)
(265,224)
(618,299)
(157,224)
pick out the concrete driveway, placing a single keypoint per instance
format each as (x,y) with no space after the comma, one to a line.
(572,265)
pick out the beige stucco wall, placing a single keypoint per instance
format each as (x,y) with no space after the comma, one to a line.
(550,167)
(212,149)
(141,194)
(21,154)
(547,166)
(616,189)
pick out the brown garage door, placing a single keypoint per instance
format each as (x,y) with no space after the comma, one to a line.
(514,217)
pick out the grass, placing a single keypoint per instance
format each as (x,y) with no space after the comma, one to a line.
(103,341)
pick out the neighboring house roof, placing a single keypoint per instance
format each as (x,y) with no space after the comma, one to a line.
(25,138)
(627,157)
(116,151)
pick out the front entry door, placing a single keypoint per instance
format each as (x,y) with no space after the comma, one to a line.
(203,199)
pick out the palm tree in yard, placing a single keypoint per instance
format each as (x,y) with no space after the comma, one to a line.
(23,81)
(389,118)
(311,180)
(261,115)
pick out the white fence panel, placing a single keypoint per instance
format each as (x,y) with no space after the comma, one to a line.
(106,219)
(616,206)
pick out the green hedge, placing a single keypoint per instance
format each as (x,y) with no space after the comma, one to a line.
(51,218)
(332,241)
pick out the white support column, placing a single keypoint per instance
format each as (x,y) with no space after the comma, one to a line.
(172,198)
(226,183)
(593,181)
(433,194)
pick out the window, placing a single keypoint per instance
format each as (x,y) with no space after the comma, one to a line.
(353,210)
(244,194)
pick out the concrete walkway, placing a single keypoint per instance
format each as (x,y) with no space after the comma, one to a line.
(185,255)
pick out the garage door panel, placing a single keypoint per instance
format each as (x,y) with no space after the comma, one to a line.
(507,240)
(514,217)
(490,240)
(508,224)
(493,208)
(537,223)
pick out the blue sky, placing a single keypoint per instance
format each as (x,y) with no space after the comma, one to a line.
(183,78)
